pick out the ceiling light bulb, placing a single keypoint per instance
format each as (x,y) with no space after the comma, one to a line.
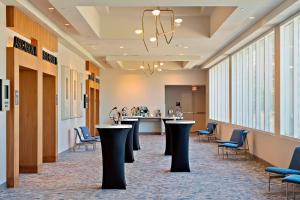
(138,31)
(161,63)
(142,67)
(51,9)
(178,20)
(152,39)
(155,66)
(155,12)
(251,17)
(67,24)
(121,47)
(186,47)
(159,70)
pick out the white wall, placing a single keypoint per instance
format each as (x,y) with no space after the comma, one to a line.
(3,37)
(133,88)
(66,135)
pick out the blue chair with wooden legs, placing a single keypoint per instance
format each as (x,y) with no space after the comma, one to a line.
(82,141)
(87,134)
(294,168)
(209,132)
(240,145)
(235,138)
(294,180)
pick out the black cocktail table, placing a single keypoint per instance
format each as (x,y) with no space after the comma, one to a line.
(168,149)
(180,130)
(113,139)
(129,157)
(136,141)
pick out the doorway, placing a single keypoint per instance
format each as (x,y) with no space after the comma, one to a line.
(28,120)
(191,100)
(49,119)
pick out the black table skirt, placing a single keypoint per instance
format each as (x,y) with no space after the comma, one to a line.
(168,148)
(113,156)
(136,142)
(129,156)
(180,147)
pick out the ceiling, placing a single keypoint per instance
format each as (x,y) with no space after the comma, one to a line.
(105,28)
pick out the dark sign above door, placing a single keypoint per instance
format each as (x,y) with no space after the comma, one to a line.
(24,46)
(49,57)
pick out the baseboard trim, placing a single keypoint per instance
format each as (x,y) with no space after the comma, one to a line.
(49,159)
(11,182)
(29,169)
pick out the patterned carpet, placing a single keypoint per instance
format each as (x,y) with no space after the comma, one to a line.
(78,175)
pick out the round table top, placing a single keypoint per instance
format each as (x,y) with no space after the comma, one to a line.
(130,119)
(180,122)
(113,126)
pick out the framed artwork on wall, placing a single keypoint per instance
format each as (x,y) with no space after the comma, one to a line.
(65,93)
(74,93)
(80,94)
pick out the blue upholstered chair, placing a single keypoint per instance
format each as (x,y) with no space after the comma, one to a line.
(80,140)
(209,132)
(295,180)
(235,138)
(240,143)
(87,134)
(294,168)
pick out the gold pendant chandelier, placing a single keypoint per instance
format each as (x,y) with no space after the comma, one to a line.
(150,68)
(160,30)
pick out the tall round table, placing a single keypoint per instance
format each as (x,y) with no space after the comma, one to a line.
(168,148)
(136,141)
(129,157)
(113,139)
(180,130)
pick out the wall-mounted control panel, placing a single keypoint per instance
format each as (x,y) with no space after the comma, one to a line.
(4,95)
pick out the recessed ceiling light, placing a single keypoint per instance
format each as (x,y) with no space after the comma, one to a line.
(138,31)
(178,20)
(50,9)
(156,12)
(155,66)
(152,39)
(161,63)
(121,47)
(67,24)
(142,67)
(251,17)
(186,47)
(159,70)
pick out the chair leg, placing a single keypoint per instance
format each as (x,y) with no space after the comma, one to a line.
(294,196)
(287,191)
(269,182)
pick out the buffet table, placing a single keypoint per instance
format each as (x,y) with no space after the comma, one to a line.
(180,130)
(113,140)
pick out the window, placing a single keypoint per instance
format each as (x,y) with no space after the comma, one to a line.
(219,91)
(253,85)
(290,79)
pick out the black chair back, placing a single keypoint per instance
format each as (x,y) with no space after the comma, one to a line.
(295,162)
(211,127)
(236,135)
(81,138)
